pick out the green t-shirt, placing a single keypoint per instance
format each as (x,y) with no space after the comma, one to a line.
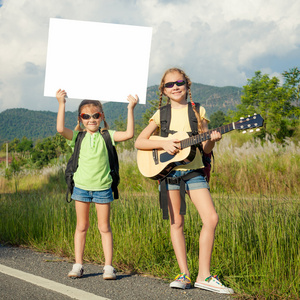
(93,172)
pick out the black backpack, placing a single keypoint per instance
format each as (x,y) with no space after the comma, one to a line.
(113,162)
(165,119)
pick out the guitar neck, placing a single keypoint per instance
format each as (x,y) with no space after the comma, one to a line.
(197,139)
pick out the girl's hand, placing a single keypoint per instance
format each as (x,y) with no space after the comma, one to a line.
(132,101)
(215,136)
(60,96)
(171,146)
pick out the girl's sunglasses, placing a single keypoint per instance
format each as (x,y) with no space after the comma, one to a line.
(94,116)
(171,84)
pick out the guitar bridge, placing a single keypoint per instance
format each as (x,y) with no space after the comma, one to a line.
(155,156)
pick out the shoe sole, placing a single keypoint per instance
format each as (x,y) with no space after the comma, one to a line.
(109,277)
(180,286)
(212,289)
(74,276)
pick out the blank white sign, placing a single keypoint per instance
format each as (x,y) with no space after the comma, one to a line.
(97,61)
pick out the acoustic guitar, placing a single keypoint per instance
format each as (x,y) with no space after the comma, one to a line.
(157,163)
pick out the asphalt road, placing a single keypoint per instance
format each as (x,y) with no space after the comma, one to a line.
(26,274)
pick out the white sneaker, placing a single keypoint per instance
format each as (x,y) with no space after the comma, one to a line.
(182,281)
(77,271)
(213,284)
(109,273)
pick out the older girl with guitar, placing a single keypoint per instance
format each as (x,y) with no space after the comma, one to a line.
(175,85)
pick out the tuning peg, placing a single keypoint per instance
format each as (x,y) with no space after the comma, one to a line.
(244,131)
(249,116)
(251,130)
(257,129)
(255,114)
(241,118)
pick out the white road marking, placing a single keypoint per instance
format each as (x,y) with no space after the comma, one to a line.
(50,285)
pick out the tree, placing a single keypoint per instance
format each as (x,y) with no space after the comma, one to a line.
(12,146)
(25,145)
(292,81)
(120,125)
(150,111)
(48,149)
(217,119)
(276,104)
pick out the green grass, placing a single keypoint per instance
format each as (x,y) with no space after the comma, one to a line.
(257,241)
(256,248)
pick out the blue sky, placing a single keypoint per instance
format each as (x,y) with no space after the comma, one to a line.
(216,42)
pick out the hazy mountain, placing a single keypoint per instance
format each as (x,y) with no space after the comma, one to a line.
(19,122)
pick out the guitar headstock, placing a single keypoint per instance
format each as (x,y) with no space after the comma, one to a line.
(250,122)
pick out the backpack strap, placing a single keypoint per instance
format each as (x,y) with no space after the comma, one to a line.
(73,165)
(165,120)
(112,155)
(163,198)
(192,118)
(194,127)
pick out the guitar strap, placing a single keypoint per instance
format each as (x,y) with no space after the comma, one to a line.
(165,120)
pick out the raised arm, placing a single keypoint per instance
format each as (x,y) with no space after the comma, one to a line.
(120,136)
(60,121)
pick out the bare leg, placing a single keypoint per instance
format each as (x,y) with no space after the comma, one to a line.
(82,213)
(205,207)
(177,234)
(103,214)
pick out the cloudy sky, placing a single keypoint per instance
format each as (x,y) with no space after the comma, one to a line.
(217,42)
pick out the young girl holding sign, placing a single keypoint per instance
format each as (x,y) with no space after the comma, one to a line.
(92,178)
(175,84)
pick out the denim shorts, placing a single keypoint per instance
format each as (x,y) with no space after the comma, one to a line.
(195,183)
(104,196)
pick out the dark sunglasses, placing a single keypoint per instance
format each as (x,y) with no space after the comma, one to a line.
(171,84)
(94,116)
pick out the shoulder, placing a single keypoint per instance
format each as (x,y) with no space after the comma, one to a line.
(111,133)
(156,117)
(71,143)
(203,114)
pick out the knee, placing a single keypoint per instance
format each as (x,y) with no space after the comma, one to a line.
(212,221)
(177,223)
(104,228)
(82,228)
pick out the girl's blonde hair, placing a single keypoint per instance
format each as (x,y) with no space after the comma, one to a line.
(95,103)
(188,83)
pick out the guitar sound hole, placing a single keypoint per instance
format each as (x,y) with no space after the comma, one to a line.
(164,157)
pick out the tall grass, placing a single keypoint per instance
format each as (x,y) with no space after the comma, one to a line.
(257,240)
(256,168)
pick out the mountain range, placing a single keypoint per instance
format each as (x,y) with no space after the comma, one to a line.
(20,122)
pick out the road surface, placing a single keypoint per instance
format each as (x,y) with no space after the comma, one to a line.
(26,274)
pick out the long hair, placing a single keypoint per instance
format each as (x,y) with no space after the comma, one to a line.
(95,103)
(188,86)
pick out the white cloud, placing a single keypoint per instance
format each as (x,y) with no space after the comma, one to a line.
(215,42)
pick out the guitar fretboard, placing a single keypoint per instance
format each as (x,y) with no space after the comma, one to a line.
(197,139)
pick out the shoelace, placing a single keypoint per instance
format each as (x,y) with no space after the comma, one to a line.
(182,277)
(209,278)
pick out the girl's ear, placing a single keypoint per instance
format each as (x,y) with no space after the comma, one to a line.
(78,127)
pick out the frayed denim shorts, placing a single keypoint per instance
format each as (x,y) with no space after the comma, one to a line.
(104,196)
(195,183)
